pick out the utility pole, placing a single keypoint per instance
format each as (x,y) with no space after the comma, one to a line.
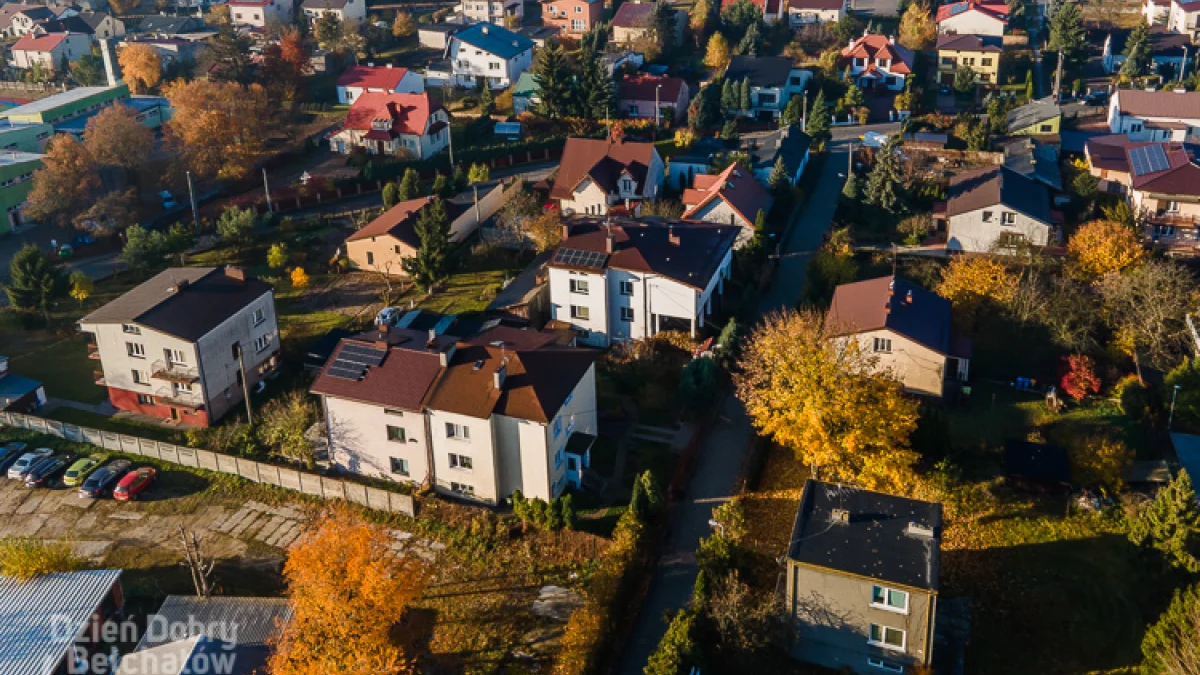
(267,190)
(245,386)
(804,111)
(195,209)
(450,141)
(1058,78)
(657,105)
(1183,63)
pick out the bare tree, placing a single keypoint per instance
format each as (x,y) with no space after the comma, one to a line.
(194,559)
(1147,307)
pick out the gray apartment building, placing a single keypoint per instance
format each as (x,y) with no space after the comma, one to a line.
(862,579)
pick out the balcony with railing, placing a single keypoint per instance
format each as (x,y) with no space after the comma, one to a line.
(98,378)
(93,350)
(179,399)
(174,372)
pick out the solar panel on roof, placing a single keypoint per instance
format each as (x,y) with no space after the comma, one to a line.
(577,258)
(1148,159)
(354,359)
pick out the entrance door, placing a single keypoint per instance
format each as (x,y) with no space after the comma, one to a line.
(174,414)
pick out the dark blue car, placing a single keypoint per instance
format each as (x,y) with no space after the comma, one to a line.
(104,479)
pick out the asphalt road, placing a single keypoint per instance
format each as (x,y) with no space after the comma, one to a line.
(714,478)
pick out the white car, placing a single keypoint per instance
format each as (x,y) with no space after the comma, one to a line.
(22,465)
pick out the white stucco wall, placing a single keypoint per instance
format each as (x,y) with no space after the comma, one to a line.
(561,300)
(480,448)
(972,23)
(969,232)
(359,441)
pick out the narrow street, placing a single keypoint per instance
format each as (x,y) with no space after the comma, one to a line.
(1036,18)
(714,477)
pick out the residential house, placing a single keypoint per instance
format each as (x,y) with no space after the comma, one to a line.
(993,209)
(969,17)
(1163,115)
(541,36)
(649,96)
(51,623)
(64,24)
(436,35)
(16,180)
(981,53)
(187,344)
(479,418)
(1168,49)
(19,19)
(907,328)
(348,11)
(492,11)
(50,50)
(525,93)
(104,25)
(18,393)
(173,26)
(384,243)
(261,13)
(877,61)
(1108,161)
(1184,17)
(633,21)
(401,125)
(597,177)
(1156,11)
(574,17)
(1034,159)
(863,571)
(773,82)
(627,280)
(1036,118)
(169,50)
(1161,181)
(358,80)
(803,12)
(732,197)
(490,54)
(764,148)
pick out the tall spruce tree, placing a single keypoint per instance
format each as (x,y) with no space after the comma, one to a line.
(818,119)
(730,98)
(1171,524)
(885,182)
(744,101)
(431,263)
(596,89)
(1067,35)
(1137,51)
(33,282)
(779,181)
(553,78)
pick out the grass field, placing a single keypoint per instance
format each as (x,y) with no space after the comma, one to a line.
(63,367)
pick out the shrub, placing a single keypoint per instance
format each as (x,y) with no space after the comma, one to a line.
(1171,641)
(1133,396)
(1080,378)
(676,652)
(25,558)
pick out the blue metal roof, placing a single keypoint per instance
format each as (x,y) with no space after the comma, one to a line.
(13,387)
(496,40)
(40,618)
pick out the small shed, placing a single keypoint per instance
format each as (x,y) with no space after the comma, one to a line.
(509,131)
(436,35)
(1037,465)
(1148,473)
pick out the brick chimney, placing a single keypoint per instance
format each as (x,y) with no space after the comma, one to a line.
(672,238)
(609,243)
(235,272)
(566,231)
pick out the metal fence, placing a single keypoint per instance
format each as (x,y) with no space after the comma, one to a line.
(259,472)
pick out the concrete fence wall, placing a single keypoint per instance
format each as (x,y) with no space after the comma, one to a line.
(259,472)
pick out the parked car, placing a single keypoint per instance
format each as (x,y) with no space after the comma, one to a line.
(168,200)
(1096,98)
(104,479)
(10,452)
(22,465)
(45,470)
(79,471)
(134,483)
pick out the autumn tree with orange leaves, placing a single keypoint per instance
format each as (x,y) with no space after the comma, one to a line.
(348,591)
(66,184)
(140,67)
(973,284)
(217,127)
(1102,246)
(114,137)
(284,65)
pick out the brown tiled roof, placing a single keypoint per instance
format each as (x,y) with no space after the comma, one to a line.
(1108,151)
(647,247)
(1183,180)
(642,88)
(894,304)
(993,185)
(403,380)
(970,43)
(736,186)
(539,375)
(400,221)
(1175,157)
(633,15)
(1184,105)
(601,160)
(816,4)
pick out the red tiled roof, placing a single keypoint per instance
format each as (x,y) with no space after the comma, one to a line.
(995,10)
(633,15)
(39,43)
(1182,180)
(642,88)
(877,46)
(603,161)
(368,77)
(400,220)
(1190,6)
(1175,155)
(816,4)
(735,186)
(409,112)
(1108,151)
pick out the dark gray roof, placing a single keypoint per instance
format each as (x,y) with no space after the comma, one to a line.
(93,19)
(68,24)
(993,185)
(39,617)
(1033,159)
(763,71)
(208,297)
(195,656)
(874,541)
(1032,113)
(170,24)
(242,621)
(765,147)
(645,246)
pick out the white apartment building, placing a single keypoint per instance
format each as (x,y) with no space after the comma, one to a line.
(598,177)
(506,410)
(352,11)
(1184,17)
(260,13)
(628,280)
(491,11)
(1163,115)
(181,345)
(491,54)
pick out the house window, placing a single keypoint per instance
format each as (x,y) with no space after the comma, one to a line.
(985,62)
(131,329)
(493,66)
(174,357)
(883,345)
(558,458)
(947,60)
(463,489)
(370,258)
(579,286)
(987,216)
(889,599)
(631,110)
(627,314)
(1046,129)
(262,342)
(889,666)
(887,637)
(399,466)
(260,315)
(578,9)
(460,462)
(557,427)
(1136,128)
(1172,207)
(580,313)
(139,377)
(458,431)
(578,25)
(396,434)
(627,185)
(393,411)
(625,288)
(145,399)
(136,349)
(1008,218)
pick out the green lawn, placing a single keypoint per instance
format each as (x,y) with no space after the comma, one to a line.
(64,368)
(465,292)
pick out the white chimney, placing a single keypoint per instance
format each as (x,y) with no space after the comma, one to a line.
(110,63)
(498,377)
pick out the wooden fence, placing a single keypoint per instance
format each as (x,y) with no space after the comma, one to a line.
(259,472)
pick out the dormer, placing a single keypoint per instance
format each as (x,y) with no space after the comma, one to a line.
(626,185)
(381,124)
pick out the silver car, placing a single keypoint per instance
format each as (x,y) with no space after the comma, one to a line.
(26,461)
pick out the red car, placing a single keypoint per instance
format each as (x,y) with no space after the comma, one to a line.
(134,483)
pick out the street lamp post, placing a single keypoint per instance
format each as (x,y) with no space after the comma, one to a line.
(1171,417)
(657,106)
(1183,63)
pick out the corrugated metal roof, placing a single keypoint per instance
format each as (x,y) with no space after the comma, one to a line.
(33,615)
(242,621)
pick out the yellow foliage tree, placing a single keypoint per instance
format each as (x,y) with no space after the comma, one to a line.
(348,590)
(698,19)
(217,126)
(828,401)
(970,283)
(81,286)
(917,30)
(1102,246)
(404,26)
(716,56)
(299,278)
(140,66)
(25,558)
